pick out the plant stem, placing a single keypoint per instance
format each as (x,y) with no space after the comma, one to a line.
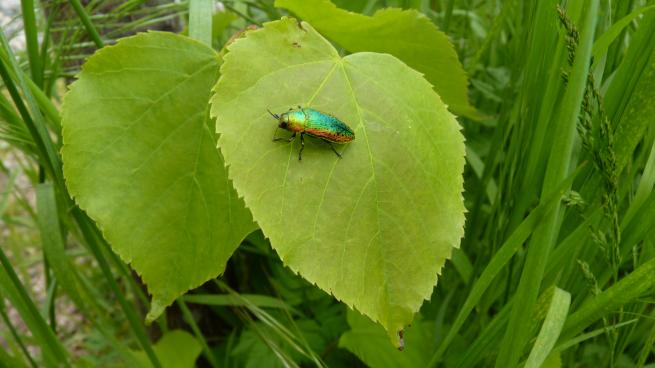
(88,24)
(88,233)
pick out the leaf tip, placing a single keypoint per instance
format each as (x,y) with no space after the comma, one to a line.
(156,310)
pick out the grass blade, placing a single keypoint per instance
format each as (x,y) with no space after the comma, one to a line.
(636,284)
(46,154)
(53,351)
(49,110)
(88,24)
(32,118)
(242,300)
(624,82)
(603,42)
(645,187)
(296,342)
(648,347)
(9,188)
(87,230)
(32,41)
(486,341)
(188,317)
(500,259)
(589,335)
(520,321)
(551,328)
(53,243)
(14,333)
(200,20)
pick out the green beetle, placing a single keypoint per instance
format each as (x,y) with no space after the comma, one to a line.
(313,123)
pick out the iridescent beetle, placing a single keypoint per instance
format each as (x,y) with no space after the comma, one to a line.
(314,123)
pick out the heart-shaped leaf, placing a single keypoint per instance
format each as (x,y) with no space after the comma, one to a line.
(406,34)
(141,160)
(375,227)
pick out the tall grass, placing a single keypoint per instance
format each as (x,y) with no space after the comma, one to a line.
(557,262)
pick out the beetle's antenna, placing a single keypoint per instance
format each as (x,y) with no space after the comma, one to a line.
(273,115)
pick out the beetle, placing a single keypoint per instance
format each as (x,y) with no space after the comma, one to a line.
(313,123)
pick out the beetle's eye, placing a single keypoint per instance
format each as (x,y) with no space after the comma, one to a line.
(283,124)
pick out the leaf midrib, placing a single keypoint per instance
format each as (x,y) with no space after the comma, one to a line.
(377,198)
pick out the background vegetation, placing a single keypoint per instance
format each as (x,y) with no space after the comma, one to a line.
(557,263)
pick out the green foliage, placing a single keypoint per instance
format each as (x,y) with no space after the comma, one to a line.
(261,301)
(367,340)
(551,328)
(637,115)
(499,261)
(140,159)
(53,244)
(394,31)
(15,292)
(557,167)
(259,345)
(555,267)
(200,25)
(176,349)
(602,43)
(373,228)
(628,289)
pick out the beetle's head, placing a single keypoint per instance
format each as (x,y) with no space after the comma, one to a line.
(284,120)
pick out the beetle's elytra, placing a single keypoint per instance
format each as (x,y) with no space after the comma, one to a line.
(313,123)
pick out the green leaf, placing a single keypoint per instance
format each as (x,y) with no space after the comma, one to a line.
(577,340)
(394,31)
(542,240)
(499,261)
(375,227)
(551,328)
(637,115)
(54,246)
(645,188)
(140,159)
(627,290)
(176,349)
(11,289)
(603,42)
(367,340)
(262,301)
(552,361)
(252,351)
(262,345)
(200,20)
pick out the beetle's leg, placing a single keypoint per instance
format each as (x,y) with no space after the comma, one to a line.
(331,146)
(302,146)
(290,139)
